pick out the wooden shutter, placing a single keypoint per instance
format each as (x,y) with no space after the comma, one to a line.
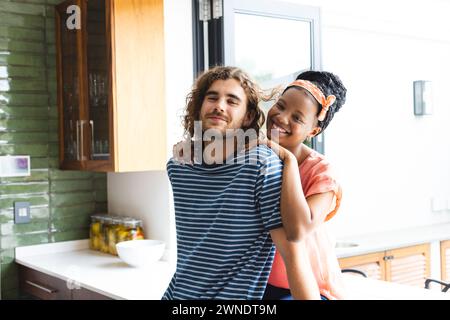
(371,264)
(445,260)
(410,265)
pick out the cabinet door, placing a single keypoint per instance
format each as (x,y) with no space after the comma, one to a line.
(42,286)
(445,260)
(111,86)
(97,46)
(85,294)
(371,264)
(70,82)
(410,265)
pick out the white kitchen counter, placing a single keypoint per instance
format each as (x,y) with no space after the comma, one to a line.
(360,288)
(387,240)
(96,271)
(111,277)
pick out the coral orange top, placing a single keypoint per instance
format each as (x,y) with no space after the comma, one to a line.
(317,177)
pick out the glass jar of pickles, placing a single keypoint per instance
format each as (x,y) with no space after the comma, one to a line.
(113,230)
(130,229)
(106,231)
(95,232)
(104,242)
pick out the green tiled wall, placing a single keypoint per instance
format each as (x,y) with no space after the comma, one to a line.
(61,201)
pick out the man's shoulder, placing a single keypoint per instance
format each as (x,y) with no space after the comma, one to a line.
(170,163)
(262,151)
(173,164)
(264,155)
(265,161)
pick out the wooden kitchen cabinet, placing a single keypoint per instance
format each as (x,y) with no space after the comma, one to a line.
(110,75)
(409,265)
(372,264)
(44,287)
(445,260)
(85,294)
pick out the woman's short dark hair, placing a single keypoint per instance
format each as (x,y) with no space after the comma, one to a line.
(330,84)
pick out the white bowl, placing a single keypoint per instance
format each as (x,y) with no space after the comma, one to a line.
(140,253)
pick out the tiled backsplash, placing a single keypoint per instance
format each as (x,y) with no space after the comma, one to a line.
(61,201)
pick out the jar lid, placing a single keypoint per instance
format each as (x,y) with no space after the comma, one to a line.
(117,220)
(132,222)
(98,217)
(107,219)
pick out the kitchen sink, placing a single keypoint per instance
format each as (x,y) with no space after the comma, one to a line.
(346,244)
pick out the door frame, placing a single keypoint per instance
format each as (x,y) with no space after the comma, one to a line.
(274,9)
(221,31)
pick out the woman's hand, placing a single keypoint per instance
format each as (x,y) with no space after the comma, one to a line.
(282,152)
(181,152)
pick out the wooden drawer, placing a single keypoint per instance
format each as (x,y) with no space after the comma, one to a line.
(408,265)
(85,294)
(445,260)
(371,264)
(43,286)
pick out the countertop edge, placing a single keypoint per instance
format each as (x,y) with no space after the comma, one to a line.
(54,247)
(374,242)
(65,278)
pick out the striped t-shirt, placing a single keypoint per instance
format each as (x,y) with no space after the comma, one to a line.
(223,217)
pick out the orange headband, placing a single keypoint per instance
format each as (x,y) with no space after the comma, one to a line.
(317,94)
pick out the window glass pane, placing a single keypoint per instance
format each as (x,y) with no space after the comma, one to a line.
(70,90)
(97,54)
(272,50)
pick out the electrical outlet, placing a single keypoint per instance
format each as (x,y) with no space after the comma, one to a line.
(22,212)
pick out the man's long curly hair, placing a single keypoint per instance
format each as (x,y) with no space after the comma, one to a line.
(195,98)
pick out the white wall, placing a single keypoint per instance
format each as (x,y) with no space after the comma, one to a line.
(147,195)
(390,162)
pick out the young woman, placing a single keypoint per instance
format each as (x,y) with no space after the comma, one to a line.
(310,193)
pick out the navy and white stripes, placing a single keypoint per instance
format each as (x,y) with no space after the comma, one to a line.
(223,216)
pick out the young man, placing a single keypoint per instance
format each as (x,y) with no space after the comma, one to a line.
(227,210)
